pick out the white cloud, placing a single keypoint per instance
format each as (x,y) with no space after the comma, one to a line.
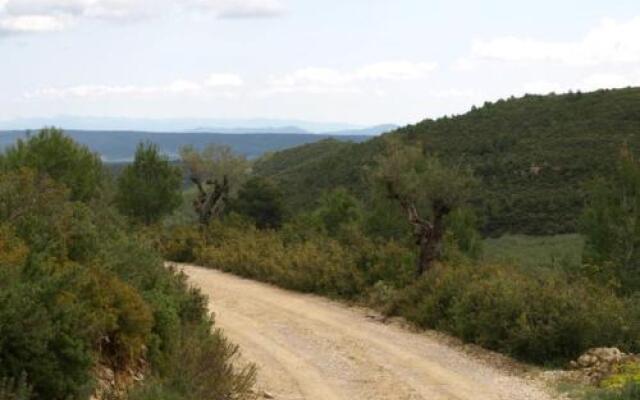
(587,83)
(396,70)
(327,80)
(454,94)
(33,23)
(242,8)
(97,91)
(612,42)
(178,87)
(20,16)
(216,80)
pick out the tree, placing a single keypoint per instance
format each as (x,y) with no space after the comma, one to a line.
(150,188)
(53,153)
(217,173)
(262,201)
(337,209)
(611,222)
(427,192)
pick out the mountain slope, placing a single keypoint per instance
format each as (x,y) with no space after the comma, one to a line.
(534,156)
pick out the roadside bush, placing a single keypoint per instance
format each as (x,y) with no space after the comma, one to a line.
(41,339)
(179,243)
(319,266)
(117,319)
(206,371)
(541,319)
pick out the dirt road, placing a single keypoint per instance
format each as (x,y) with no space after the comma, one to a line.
(307,347)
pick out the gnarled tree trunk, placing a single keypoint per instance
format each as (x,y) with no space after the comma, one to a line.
(209,205)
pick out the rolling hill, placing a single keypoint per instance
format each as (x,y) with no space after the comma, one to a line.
(534,156)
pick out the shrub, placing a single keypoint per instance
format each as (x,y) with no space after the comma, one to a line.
(179,243)
(319,266)
(262,201)
(540,319)
(52,153)
(206,371)
(40,338)
(149,188)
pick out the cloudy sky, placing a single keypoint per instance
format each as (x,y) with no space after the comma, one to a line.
(357,61)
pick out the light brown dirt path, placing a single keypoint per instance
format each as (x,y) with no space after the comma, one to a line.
(307,347)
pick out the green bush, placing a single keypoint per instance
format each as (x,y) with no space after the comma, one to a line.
(319,266)
(206,371)
(52,153)
(149,188)
(535,318)
(178,243)
(40,337)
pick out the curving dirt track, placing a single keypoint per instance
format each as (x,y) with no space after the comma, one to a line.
(307,347)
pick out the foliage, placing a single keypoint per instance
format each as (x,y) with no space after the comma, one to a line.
(427,192)
(627,373)
(42,215)
(149,188)
(12,389)
(52,153)
(417,178)
(463,236)
(215,162)
(542,318)
(260,200)
(532,156)
(321,266)
(39,336)
(531,252)
(207,371)
(611,223)
(336,210)
(631,391)
(79,286)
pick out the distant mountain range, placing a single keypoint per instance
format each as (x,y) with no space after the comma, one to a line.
(370,131)
(119,146)
(193,125)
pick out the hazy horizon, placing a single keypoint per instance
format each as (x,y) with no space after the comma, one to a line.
(359,62)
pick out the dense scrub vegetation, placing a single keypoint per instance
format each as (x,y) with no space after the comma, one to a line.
(80,288)
(393,223)
(533,155)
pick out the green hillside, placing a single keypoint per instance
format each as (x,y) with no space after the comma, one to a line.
(534,156)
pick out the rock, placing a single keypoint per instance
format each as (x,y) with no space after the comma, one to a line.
(596,364)
(267,395)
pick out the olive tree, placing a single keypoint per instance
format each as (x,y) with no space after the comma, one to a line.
(426,190)
(218,173)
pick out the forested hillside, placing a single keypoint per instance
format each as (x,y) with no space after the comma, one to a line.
(534,156)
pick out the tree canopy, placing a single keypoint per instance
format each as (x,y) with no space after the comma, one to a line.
(52,153)
(150,187)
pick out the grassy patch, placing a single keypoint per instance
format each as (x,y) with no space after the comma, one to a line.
(535,251)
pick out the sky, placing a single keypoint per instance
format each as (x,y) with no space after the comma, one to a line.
(357,61)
